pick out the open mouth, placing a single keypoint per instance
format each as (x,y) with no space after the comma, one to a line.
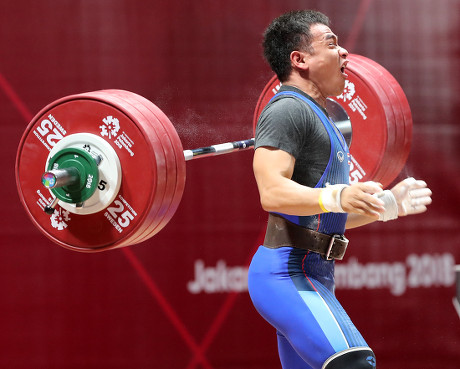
(342,69)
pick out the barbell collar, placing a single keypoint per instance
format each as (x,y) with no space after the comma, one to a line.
(72,175)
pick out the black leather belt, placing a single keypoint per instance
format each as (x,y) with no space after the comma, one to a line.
(281,232)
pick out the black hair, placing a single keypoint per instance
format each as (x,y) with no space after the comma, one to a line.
(289,32)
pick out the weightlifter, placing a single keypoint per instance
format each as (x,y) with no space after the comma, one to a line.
(302,173)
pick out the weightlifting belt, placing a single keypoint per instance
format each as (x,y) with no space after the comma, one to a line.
(281,232)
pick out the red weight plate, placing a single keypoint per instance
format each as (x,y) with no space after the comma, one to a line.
(161,145)
(157,140)
(141,167)
(401,107)
(391,164)
(178,173)
(368,119)
(161,198)
(383,174)
(159,205)
(175,181)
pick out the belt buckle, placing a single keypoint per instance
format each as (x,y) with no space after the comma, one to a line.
(329,249)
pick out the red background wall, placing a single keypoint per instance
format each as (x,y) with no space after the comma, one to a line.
(200,62)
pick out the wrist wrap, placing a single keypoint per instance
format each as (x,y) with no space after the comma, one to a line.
(390,204)
(329,198)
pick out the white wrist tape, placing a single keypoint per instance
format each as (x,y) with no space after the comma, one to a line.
(390,204)
(329,198)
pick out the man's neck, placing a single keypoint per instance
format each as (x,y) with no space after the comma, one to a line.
(308,87)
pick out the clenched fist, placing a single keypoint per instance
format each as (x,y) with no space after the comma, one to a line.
(358,198)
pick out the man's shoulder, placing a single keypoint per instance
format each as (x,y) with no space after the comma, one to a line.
(288,107)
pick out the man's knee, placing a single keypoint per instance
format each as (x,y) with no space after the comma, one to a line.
(353,358)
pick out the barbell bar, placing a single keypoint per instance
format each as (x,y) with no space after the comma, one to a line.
(106,169)
(72,171)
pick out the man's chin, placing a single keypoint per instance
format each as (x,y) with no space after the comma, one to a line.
(339,90)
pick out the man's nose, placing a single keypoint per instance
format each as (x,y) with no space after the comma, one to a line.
(343,52)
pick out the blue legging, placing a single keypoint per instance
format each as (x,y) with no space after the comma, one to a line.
(293,290)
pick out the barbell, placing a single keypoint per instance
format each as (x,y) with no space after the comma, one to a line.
(106,169)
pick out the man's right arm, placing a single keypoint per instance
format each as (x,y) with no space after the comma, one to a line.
(273,170)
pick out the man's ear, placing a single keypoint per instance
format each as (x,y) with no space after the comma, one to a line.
(299,60)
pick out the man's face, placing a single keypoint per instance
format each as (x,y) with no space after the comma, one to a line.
(326,61)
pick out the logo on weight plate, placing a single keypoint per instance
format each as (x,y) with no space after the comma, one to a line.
(348,91)
(59,219)
(110,127)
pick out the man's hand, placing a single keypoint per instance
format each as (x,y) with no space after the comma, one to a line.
(412,196)
(357,198)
